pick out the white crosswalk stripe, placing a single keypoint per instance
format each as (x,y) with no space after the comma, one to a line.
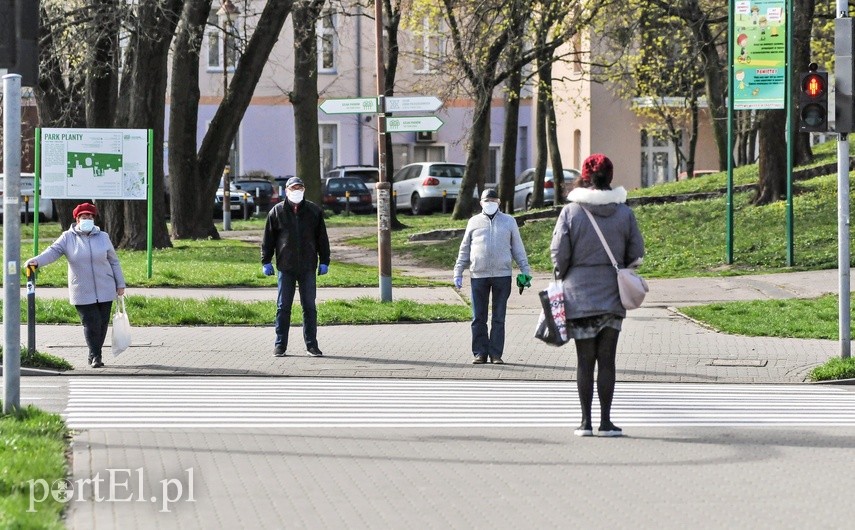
(224,403)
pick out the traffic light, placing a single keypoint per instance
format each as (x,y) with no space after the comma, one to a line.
(813,101)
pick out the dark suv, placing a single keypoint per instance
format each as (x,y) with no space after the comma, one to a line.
(265,193)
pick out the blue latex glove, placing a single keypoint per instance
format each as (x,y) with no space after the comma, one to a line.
(323,269)
(458,282)
(267,268)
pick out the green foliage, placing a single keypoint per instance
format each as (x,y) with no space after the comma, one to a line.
(40,360)
(236,263)
(834,369)
(814,318)
(218,311)
(33,444)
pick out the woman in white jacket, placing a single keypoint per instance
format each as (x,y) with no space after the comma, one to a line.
(94,275)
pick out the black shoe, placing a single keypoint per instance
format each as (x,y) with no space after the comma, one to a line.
(96,362)
(314,352)
(609,429)
(497,360)
(584,429)
(278,351)
(480,359)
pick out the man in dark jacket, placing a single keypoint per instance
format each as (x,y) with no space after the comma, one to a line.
(296,233)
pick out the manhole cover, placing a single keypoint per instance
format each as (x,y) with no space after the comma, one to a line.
(758,363)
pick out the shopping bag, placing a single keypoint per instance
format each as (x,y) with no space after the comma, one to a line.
(552,324)
(121,328)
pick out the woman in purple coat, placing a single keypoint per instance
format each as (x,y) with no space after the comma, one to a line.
(593,308)
(94,275)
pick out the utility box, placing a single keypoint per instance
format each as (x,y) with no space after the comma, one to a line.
(844,75)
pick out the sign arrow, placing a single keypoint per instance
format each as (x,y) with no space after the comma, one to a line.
(412,123)
(349,106)
(413,104)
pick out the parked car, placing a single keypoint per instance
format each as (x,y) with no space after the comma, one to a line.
(419,187)
(370,175)
(47,212)
(241,202)
(263,191)
(346,193)
(524,189)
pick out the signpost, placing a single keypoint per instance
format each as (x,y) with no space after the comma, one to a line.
(349,106)
(413,124)
(386,124)
(413,104)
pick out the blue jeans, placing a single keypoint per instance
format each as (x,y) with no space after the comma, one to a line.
(288,282)
(494,344)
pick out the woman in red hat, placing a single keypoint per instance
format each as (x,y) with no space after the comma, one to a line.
(94,275)
(592,301)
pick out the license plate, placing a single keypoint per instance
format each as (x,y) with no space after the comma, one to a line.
(348,199)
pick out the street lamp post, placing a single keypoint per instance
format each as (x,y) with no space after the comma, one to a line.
(226,12)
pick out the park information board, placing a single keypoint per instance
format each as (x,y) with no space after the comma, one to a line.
(94,164)
(759,54)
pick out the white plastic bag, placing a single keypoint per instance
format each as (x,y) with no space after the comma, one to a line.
(121,328)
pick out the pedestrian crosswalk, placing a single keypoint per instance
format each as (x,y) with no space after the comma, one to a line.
(230,403)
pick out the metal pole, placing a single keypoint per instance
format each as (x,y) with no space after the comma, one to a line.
(227,202)
(11,242)
(788,105)
(384,228)
(844,323)
(729,201)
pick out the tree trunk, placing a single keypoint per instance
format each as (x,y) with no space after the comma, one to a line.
(802,27)
(773,158)
(304,97)
(542,146)
(507,176)
(552,138)
(185,182)
(213,153)
(102,74)
(479,147)
(392,23)
(142,106)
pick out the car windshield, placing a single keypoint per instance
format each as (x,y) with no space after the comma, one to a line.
(346,184)
(446,170)
(250,185)
(367,175)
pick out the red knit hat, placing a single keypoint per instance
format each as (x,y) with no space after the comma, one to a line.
(597,163)
(84,208)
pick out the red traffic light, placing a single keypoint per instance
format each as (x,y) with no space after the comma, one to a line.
(814,85)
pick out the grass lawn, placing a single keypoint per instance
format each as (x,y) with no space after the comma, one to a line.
(219,311)
(33,449)
(223,263)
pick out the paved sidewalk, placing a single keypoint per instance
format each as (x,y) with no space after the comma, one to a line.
(656,344)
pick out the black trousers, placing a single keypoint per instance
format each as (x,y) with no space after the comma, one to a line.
(96,319)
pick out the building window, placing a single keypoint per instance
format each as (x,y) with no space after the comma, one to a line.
(214,36)
(429,153)
(430,45)
(328,136)
(522,149)
(326,43)
(494,163)
(658,159)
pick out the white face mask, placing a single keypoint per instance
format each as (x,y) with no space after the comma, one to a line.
(86,225)
(489,207)
(295,196)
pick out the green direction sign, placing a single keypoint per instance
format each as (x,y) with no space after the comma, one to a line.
(413,124)
(349,105)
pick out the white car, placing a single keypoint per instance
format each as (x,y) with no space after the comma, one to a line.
(524,189)
(422,187)
(26,201)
